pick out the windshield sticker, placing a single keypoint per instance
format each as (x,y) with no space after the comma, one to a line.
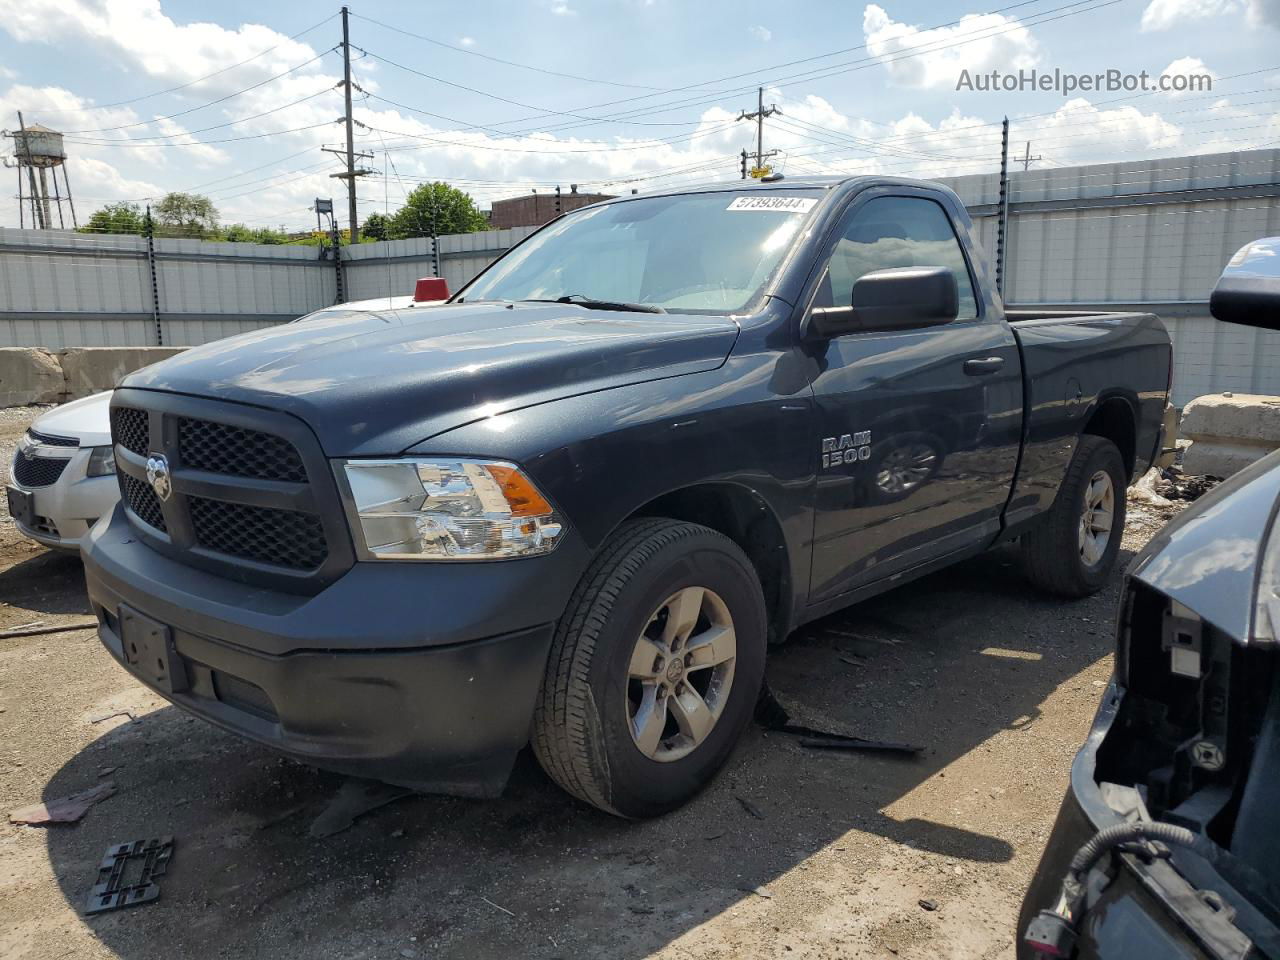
(778,204)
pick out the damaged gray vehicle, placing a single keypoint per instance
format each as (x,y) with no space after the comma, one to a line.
(1167,844)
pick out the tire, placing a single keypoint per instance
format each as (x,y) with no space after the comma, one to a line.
(1055,555)
(591,699)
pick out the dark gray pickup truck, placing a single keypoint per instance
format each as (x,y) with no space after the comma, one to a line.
(573,506)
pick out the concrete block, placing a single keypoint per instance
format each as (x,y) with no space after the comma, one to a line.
(29,375)
(88,370)
(1210,458)
(1228,432)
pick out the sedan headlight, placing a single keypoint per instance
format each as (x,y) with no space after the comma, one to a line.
(450,509)
(102,462)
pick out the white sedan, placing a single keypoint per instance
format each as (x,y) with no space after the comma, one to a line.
(63,476)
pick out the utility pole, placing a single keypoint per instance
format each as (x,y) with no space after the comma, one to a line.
(758,117)
(352,171)
(1026,159)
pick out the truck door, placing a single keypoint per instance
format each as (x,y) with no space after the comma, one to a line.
(918,430)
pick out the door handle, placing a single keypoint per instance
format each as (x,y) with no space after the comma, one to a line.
(979,368)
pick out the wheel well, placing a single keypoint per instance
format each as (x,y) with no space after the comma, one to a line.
(744,518)
(1114,420)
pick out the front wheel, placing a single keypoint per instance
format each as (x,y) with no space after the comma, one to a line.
(654,670)
(1073,552)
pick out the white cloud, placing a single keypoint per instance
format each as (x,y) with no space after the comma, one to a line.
(174,132)
(1164,14)
(1264,13)
(761,33)
(1187,67)
(562,9)
(467,41)
(979,42)
(141,37)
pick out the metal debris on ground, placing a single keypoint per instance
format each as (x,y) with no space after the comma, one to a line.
(353,800)
(112,715)
(112,892)
(750,807)
(772,715)
(498,906)
(38,628)
(1173,484)
(758,891)
(64,809)
(828,741)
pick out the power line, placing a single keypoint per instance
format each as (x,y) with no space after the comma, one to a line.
(216,126)
(205,143)
(509,63)
(191,83)
(211,103)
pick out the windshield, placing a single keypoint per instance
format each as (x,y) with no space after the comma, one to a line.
(695,252)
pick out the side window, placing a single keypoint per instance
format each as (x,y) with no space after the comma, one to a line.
(895,232)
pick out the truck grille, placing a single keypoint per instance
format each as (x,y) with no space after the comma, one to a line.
(38,471)
(283,538)
(252,496)
(144,503)
(129,428)
(220,448)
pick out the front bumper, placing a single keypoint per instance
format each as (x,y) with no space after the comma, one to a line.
(370,677)
(69,506)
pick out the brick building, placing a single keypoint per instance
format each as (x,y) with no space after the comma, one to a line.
(535,209)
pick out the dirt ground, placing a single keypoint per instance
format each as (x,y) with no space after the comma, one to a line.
(792,852)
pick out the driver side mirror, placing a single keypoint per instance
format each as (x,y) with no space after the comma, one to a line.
(896,298)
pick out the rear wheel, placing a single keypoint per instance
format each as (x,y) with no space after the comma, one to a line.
(1073,552)
(654,670)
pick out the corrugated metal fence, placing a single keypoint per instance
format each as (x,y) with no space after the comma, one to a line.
(62,289)
(1148,234)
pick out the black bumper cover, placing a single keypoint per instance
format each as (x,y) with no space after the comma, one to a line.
(441,717)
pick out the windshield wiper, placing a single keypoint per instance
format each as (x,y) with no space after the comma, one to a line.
(582,300)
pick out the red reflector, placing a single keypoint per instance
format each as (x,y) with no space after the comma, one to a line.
(431,288)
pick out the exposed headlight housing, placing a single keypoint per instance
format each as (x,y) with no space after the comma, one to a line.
(449,508)
(1266,608)
(102,462)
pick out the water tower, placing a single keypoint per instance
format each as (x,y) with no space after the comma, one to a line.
(39,155)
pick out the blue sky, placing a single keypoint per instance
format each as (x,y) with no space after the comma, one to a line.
(651,100)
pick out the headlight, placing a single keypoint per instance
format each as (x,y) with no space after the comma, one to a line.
(102,462)
(450,509)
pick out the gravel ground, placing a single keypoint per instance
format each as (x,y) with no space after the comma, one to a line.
(791,852)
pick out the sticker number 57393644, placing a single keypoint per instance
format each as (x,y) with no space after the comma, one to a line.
(775,204)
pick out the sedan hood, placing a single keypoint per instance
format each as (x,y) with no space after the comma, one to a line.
(86,419)
(1207,557)
(375,384)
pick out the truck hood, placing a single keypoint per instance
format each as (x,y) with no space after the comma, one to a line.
(376,384)
(1207,557)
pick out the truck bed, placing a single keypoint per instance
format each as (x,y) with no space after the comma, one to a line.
(1077,365)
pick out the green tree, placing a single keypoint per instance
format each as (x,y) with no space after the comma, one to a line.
(116,218)
(377,226)
(185,215)
(453,211)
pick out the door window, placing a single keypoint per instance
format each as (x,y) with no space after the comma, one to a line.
(895,232)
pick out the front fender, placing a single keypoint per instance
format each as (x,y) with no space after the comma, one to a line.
(603,456)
